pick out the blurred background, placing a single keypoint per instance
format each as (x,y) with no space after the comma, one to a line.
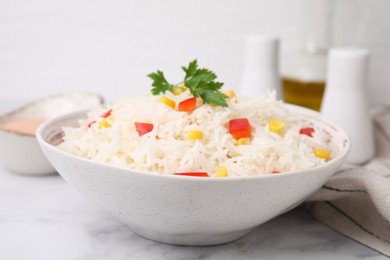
(109,46)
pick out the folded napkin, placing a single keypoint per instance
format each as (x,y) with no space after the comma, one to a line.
(356,200)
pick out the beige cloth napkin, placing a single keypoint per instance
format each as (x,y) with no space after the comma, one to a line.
(356,200)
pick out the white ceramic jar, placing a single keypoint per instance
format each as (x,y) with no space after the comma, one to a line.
(261,66)
(346,99)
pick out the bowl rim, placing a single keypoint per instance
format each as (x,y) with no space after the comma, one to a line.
(304,111)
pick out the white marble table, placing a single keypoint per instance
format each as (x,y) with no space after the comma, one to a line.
(44,218)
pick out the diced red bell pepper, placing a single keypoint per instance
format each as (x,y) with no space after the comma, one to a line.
(90,124)
(188,105)
(307,131)
(194,174)
(240,128)
(106,114)
(275,172)
(143,128)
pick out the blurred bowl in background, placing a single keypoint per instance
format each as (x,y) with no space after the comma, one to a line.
(19,150)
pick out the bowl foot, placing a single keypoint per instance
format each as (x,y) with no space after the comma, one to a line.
(192,239)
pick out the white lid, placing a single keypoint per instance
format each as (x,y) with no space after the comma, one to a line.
(262,52)
(347,68)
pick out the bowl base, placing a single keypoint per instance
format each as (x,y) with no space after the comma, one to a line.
(193,239)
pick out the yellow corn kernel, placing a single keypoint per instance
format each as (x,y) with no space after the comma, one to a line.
(195,135)
(242,141)
(230,93)
(104,123)
(276,126)
(322,153)
(221,171)
(168,101)
(178,90)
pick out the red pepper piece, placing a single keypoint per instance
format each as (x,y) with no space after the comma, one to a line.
(90,124)
(188,105)
(307,131)
(240,128)
(106,114)
(275,172)
(194,174)
(143,128)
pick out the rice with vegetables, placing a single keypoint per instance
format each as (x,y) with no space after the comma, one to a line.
(178,132)
(197,141)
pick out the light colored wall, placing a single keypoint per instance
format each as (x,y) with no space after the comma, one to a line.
(47,46)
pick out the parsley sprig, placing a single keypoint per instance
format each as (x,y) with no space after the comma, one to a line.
(200,81)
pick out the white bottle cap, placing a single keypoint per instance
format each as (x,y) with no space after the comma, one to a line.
(261,67)
(347,68)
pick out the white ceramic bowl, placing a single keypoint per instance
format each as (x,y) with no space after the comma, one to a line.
(20,152)
(190,210)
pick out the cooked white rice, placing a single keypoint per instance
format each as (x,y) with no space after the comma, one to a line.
(167,149)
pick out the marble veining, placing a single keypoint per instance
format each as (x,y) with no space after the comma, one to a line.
(43,218)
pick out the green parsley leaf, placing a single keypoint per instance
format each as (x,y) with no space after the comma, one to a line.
(160,84)
(201,77)
(214,97)
(200,81)
(191,70)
